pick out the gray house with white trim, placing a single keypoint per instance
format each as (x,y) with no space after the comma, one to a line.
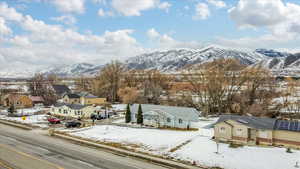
(166,116)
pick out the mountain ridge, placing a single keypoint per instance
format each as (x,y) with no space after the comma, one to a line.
(175,60)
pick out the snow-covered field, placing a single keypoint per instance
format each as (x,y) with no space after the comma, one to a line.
(201,149)
(34,120)
(146,140)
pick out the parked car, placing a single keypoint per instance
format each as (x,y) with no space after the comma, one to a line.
(72,124)
(54,120)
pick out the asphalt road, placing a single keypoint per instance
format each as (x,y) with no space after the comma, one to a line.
(21,149)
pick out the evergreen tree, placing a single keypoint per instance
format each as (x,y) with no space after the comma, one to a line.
(140,115)
(11,109)
(128,114)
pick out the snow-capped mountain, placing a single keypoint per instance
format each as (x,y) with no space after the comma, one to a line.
(177,59)
(173,60)
(272,53)
(75,70)
(283,66)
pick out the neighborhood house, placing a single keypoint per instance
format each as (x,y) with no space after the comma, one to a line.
(166,116)
(90,99)
(73,110)
(71,98)
(60,90)
(19,101)
(248,130)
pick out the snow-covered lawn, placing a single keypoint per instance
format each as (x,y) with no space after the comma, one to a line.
(146,140)
(34,120)
(201,149)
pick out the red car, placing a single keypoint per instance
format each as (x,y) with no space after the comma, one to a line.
(54,120)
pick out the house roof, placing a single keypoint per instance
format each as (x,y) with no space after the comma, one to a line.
(71,106)
(37,98)
(61,89)
(73,96)
(86,95)
(253,122)
(180,112)
(90,96)
(287,125)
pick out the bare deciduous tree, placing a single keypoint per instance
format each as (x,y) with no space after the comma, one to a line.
(108,82)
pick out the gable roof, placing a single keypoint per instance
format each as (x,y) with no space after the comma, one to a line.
(71,106)
(253,122)
(61,89)
(37,98)
(72,96)
(179,112)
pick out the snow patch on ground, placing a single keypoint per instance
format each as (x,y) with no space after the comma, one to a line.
(34,120)
(148,140)
(201,148)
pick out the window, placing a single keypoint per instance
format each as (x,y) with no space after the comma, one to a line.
(239,132)
(222,129)
(168,120)
(180,121)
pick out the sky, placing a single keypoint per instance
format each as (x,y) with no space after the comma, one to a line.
(38,33)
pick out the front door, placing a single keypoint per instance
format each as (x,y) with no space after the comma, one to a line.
(252,136)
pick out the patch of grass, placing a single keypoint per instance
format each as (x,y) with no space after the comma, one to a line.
(178,129)
(179,146)
(234,145)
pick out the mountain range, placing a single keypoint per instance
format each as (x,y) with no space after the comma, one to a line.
(280,63)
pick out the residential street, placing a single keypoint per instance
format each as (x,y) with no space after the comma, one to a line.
(34,149)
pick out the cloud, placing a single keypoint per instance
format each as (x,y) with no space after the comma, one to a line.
(165,6)
(69,6)
(9,13)
(66,19)
(165,41)
(103,13)
(4,29)
(152,33)
(43,44)
(217,3)
(202,11)
(263,41)
(135,7)
(281,20)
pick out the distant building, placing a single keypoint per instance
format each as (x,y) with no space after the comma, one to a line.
(71,98)
(83,98)
(248,130)
(37,100)
(19,101)
(60,90)
(73,110)
(166,116)
(89,99)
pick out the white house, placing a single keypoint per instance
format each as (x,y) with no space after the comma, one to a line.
(166,116)
(73,110)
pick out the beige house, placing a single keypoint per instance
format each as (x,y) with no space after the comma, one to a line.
(73,110)
(89,99)
(247,130)
(71,98)
(19,101)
